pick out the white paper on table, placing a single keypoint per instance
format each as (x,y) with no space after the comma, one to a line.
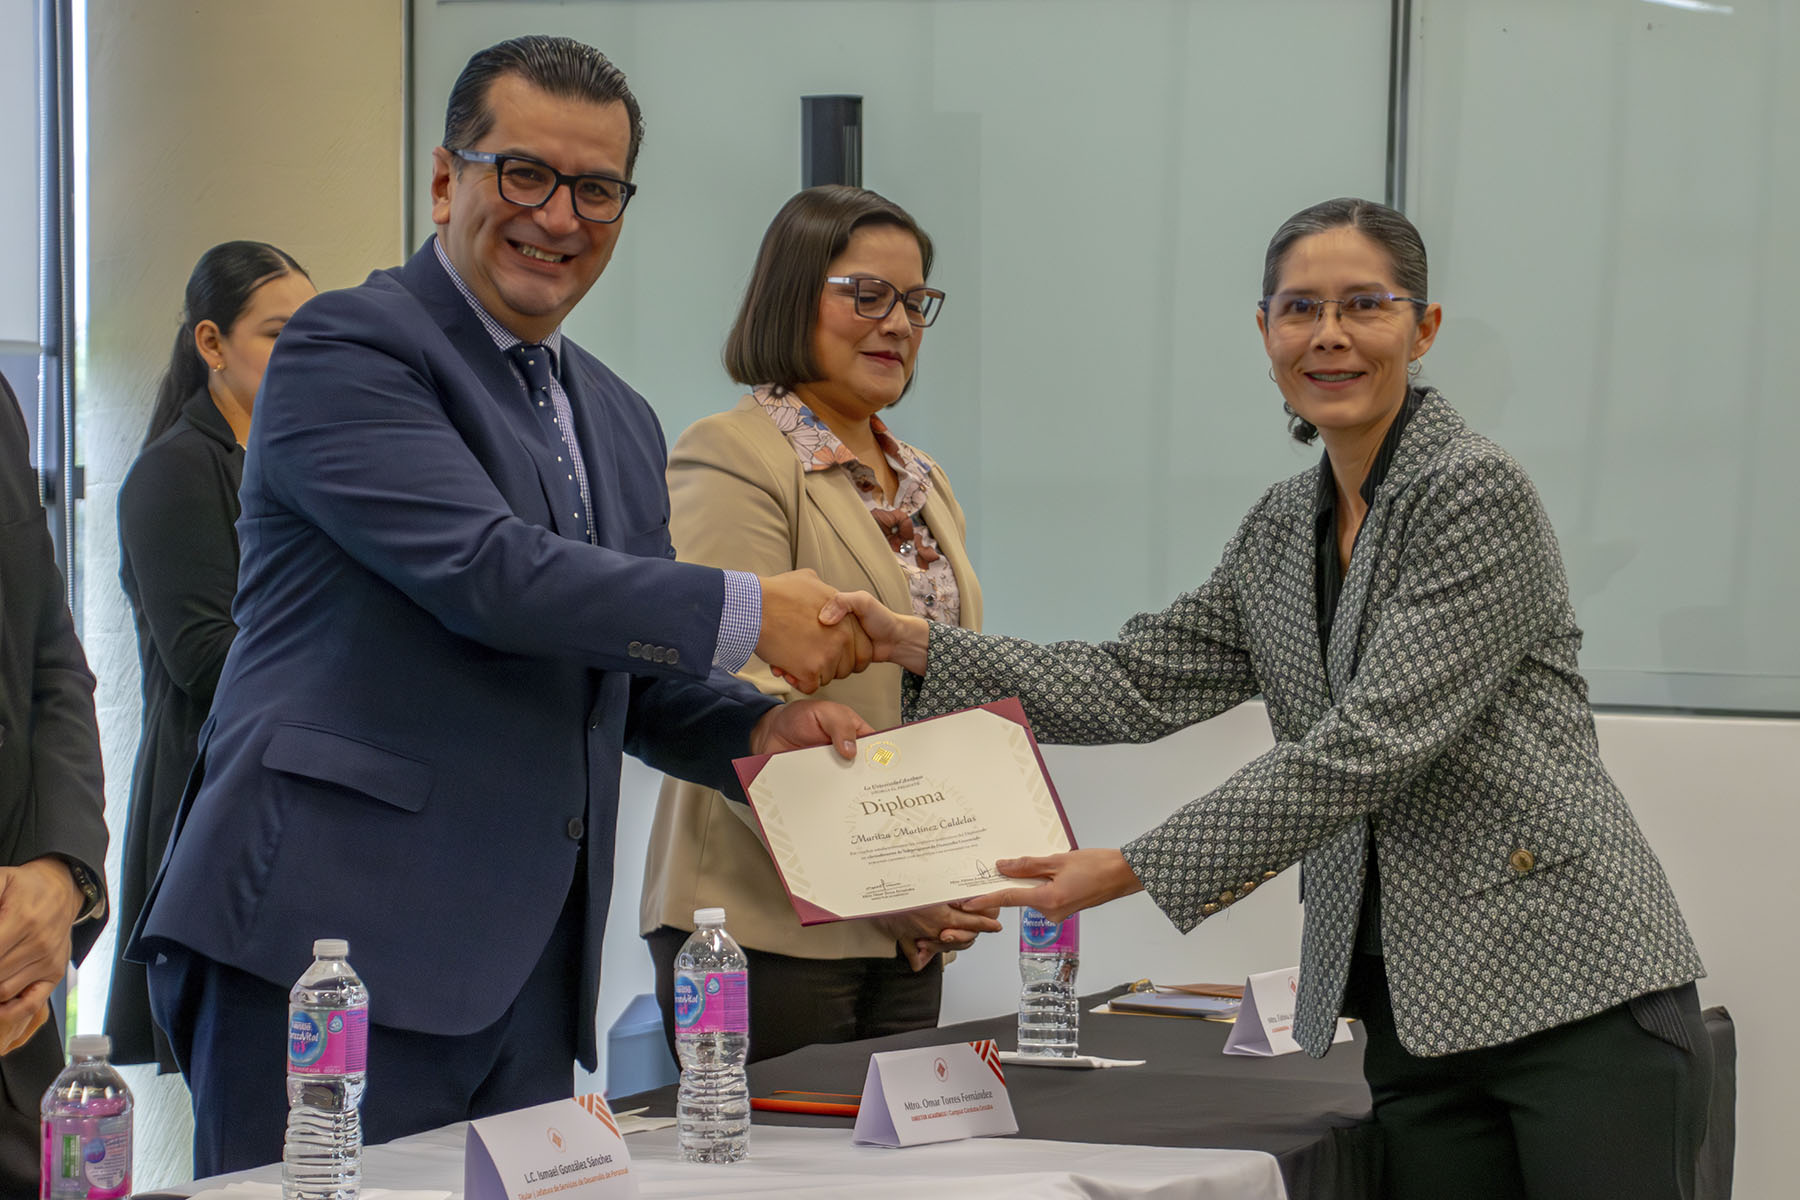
(1265,1024)
(1077,1062)
(934,1094)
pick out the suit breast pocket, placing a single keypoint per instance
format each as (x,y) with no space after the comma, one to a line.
(332,758)
(1529,845)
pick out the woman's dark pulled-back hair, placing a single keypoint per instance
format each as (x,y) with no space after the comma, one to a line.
(1384,226)
(560,66)
(771,340)
(219,291)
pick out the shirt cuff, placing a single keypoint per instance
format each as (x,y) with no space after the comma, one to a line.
(740,621)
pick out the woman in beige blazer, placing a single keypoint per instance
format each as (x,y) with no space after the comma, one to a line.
(804,473)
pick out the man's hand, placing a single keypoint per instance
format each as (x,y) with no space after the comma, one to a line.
(38,903)
(1078,879)
(894,637)
(925,932)
(14,1034)
(793,641)
(802,723)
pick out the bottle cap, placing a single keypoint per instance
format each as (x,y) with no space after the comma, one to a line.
(709,916)
(90,1045)
(331,948)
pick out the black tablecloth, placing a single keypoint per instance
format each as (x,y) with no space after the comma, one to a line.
(1310,1114)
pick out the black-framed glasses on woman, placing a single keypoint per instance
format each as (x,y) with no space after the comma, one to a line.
(1296,311)
(875,298)
(529,183)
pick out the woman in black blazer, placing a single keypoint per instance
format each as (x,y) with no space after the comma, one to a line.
(1477,891)
(178,560)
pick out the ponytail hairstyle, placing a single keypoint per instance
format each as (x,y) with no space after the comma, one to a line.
(219,291)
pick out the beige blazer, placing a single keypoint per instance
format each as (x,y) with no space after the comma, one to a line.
(740,500)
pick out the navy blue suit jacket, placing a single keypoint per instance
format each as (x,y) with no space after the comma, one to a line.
(436,674)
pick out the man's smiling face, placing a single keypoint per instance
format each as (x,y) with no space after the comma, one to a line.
(530,266)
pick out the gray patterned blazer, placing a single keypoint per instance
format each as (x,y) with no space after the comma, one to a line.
(1447,720)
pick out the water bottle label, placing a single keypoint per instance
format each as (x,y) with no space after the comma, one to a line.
(717,1002)
(327,1041)
(1038,935)
(88,1157)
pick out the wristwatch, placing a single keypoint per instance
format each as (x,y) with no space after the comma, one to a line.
(93,900)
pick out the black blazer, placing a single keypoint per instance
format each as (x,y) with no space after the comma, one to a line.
(178,563)
(50,793)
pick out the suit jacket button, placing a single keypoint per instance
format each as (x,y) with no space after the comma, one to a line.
(1207,910)
(1227,896)
(674,656)
(1522,861)
(1246,887)
(1268,875)
(636,649)
(576,828)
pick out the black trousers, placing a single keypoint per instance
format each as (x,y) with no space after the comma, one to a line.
(1599,1109)
(227,1027)
(797,1002)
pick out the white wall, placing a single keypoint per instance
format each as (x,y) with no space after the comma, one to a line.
(208,120)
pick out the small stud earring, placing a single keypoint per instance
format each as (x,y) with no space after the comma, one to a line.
(1412,369)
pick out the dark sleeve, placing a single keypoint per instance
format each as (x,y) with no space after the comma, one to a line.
(50,758)
(692,730)
(175,530)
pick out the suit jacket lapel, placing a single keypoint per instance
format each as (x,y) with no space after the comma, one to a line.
(588,408)
(1299,694)
(1430,427)
(426,279)
(834,495)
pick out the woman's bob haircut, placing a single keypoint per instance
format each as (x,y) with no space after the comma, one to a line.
(771,340)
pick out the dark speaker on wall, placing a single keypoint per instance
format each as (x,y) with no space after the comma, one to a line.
(830,140)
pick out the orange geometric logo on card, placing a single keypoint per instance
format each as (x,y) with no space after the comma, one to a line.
(595,1104)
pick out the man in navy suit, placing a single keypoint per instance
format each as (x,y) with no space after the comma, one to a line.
(458,607)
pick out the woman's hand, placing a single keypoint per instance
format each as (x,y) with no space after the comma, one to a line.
(924,932)
(897,637)
(1078,879)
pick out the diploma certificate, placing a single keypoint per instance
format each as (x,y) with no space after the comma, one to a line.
(917,818)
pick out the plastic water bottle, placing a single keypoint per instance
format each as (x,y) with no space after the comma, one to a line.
(87,1126)
(712,1034)
(328,1048)
(1049,955)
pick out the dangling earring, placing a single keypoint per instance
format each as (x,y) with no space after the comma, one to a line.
(1412,369)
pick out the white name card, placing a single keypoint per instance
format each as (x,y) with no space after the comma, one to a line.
(570,1149)
(934,1094)
(1265,1024)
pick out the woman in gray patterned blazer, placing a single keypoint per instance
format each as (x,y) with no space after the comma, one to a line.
(1476,889)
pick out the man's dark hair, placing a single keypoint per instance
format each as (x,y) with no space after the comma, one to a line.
(558,65)
(771,340)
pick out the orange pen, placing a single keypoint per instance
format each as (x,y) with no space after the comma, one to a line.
(816,1107)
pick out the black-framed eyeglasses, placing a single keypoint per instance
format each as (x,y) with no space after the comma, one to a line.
(530,184)
(1294,311)
(875,298)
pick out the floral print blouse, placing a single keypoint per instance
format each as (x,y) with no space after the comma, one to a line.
(928,573)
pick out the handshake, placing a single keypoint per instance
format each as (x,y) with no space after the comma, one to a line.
(812,633)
